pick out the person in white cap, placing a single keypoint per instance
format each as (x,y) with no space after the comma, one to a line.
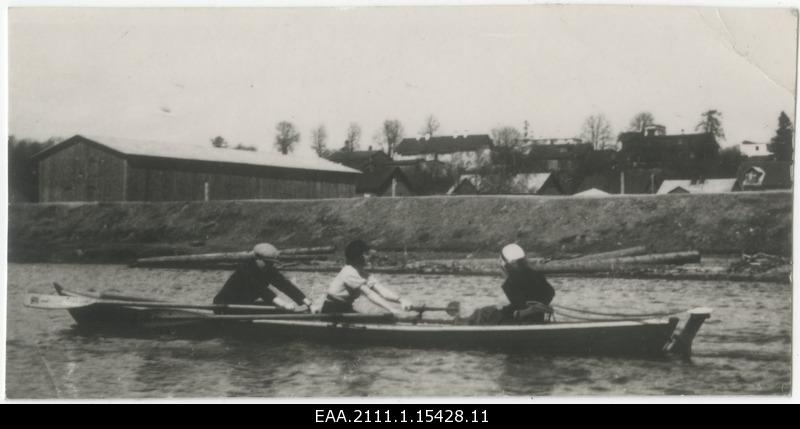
(250,283)
(523,285)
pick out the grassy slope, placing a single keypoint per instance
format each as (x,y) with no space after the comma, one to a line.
(724,223)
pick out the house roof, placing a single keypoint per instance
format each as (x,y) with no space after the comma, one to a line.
(357,156)
(530,183)
(443,144)
(208,153)
(378,180)
(776,174)
(690,139)
(708,186)
(558,151)
(592,192)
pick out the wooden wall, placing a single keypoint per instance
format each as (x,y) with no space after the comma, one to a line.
(155,184)
(81,172)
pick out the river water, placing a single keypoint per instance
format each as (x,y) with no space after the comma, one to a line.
(745,348)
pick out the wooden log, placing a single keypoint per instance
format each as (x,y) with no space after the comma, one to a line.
(613,264)
(630,251)
(294,254)
(308,250)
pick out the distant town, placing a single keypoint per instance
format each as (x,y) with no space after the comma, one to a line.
(649,158)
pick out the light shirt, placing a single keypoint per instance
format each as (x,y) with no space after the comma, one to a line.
(346,286)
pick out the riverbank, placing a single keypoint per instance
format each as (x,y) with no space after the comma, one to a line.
(417,229)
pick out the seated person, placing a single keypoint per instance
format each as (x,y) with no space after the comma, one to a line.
(353,281)
(249,284)
(528,292)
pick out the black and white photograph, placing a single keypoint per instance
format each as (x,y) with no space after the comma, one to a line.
(369,201)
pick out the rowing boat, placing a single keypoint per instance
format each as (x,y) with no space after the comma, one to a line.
(649,337)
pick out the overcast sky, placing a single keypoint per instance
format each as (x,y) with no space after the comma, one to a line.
(187,75)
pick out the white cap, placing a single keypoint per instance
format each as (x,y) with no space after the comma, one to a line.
(265,251)
(512,252)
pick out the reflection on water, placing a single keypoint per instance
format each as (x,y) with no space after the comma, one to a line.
(743,349)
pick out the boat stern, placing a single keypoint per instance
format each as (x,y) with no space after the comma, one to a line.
(681,342)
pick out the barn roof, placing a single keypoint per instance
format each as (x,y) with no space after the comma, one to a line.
(208,153)
(708,186)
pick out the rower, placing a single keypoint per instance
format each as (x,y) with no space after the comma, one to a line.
(527,290)
(353,281)
(250,283)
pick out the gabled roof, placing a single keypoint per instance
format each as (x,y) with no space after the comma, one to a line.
(530,183)
(443,144)
(377,181)
(592,192)
(707,186)
(195,152)
(776,174)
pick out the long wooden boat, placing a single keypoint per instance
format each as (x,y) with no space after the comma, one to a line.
(651,337)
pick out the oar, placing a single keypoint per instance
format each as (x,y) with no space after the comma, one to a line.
(323,317)
(452,309)
(58,302)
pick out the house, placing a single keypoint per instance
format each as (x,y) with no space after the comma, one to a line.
(556,155)
(386,181)
(464,152)
(753,149)
(636,181)
(761,175)
(362,160)
(520,184)
(707,186)
(689,154)
(84,168)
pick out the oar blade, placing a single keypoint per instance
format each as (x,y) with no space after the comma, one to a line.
(454,309)
(55,302)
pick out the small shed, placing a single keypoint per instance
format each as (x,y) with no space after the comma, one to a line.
(113,169)
(520,184)
(764,175)
(387,181)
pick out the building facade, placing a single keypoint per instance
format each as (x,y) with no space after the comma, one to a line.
(110,169)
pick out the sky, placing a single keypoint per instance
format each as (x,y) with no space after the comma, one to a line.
(187,75)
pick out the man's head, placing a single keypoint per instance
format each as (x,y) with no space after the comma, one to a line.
(266,252)
(511,255)
(355,252)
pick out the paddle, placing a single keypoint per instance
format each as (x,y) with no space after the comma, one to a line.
(58,302)
(452,309)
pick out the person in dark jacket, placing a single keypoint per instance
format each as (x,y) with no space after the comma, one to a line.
(527,291)
(522,286)
(250,284)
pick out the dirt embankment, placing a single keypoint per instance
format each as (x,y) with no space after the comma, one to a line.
(473,225)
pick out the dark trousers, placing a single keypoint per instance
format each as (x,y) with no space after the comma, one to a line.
(334,306)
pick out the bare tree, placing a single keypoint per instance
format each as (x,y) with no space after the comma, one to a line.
(506,136)
(353,136)
(711,123)
(392,134)
(431,126)
(318,137)
(597,131)
(219,142)
(506,159)
(287,137)
(641,120)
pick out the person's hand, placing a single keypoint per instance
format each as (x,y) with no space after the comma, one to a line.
(406,305)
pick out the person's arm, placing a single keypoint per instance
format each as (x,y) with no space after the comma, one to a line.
(386,293)
(284,285)
(377,299)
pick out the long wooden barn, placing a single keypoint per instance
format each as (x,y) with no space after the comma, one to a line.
(113,169)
